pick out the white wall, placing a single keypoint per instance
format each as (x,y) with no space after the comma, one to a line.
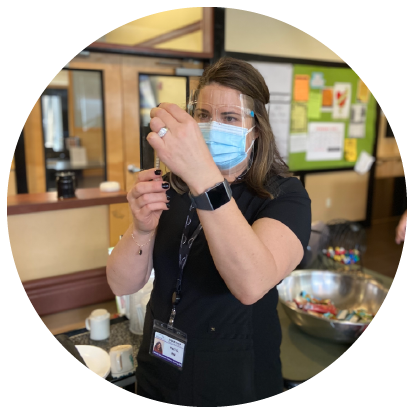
(45,244)
(254,33)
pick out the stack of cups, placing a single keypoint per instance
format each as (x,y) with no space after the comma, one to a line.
(136,308)
(137,313)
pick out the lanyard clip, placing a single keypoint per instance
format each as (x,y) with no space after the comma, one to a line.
(172,318)
(175,298)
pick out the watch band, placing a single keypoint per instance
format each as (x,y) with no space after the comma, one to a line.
(214,197)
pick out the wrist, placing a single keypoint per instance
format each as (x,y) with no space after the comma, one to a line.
(205,182)
(140,233)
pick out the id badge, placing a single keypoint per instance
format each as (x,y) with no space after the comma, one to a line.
(168,344)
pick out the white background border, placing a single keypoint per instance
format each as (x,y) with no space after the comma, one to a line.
(39,38)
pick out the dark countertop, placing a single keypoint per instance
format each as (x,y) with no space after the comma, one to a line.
(302,355)
(119,335)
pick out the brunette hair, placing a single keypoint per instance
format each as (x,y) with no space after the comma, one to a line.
(160,347)
(242,76)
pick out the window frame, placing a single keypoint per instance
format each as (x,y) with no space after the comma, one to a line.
(207,27)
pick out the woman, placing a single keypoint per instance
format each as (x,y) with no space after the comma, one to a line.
(234,247)
(158,348)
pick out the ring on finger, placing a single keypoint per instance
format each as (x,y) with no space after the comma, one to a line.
(162,132)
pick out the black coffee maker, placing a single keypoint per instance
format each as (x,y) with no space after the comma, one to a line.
(66,184)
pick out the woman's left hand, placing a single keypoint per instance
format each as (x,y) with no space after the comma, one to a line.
(183,149)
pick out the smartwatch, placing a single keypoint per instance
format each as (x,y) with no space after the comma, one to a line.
(213,198)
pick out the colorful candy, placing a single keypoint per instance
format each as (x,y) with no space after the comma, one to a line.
(342,314)
(326,309)
(339,254)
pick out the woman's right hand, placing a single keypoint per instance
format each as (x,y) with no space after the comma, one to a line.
(147,200)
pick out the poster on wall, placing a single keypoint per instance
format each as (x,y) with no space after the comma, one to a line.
(327,99)
(317,80)
(325,141)
(314,104)
(298,142)
(278,78)
(351,149)
(357,121)
(299,118)
(301,88)
(363,92)
(341,100)
(279,118)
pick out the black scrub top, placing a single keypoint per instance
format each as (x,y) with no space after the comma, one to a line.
(232,353)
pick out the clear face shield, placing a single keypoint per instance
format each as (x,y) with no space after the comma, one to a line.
(226,120)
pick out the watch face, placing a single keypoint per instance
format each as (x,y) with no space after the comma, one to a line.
(218,196)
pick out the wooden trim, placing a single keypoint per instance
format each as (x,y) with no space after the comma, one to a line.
(174,34)
(65,292)
(34,151)
(70,103)
(146,51)
(48,201)
(208,29)
(389,168)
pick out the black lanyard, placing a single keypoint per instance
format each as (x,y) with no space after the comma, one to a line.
(185,245)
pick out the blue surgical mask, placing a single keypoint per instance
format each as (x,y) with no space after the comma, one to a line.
(226,143)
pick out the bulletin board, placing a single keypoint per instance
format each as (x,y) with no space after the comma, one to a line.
(332,118)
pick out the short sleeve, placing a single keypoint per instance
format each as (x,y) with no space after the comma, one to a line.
(291,206)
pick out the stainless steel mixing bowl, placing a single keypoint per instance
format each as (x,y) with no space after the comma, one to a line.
(347,291)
